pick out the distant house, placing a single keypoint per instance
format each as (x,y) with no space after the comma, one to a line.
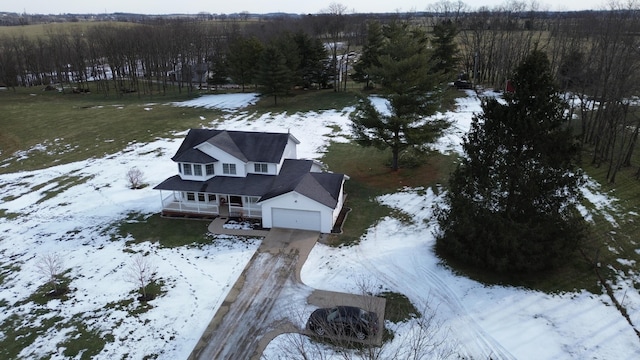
(251,175)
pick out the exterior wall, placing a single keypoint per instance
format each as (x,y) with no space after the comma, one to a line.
(296,201)
(336,211)
(315,168)
(223,158)
(272,169)
(290,151)
(203,167)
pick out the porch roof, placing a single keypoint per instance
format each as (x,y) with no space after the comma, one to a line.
(251,185)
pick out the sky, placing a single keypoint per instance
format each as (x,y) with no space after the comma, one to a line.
(255,6)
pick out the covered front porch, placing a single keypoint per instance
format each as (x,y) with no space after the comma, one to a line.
(209,204)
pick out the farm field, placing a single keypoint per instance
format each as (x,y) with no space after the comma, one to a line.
(67,195)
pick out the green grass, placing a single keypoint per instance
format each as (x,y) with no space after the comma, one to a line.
(58,128)
(609,242)
(166,232)
(398,307)
(371,177)
(305,101)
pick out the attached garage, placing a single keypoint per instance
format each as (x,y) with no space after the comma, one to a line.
(296,219)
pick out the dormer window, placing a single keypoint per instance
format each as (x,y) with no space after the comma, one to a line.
(261,168)
(197,169)
(186,169)
(229,169)
(209,170)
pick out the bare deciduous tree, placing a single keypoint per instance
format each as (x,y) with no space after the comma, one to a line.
(141,273)
(50,266)
(135,178)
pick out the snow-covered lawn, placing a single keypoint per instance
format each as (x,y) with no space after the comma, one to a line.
(69,210)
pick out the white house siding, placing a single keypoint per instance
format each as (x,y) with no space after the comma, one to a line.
(290,152)
(251,169)
(293,202)
(223,158)
(336,211)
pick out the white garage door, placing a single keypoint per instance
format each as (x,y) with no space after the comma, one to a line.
(295,219)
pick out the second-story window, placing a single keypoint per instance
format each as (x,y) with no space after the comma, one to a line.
(186,169)
(229,169)
(197,170)
(209,169)
(260,168)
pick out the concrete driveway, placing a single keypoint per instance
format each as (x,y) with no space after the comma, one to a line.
(251,314)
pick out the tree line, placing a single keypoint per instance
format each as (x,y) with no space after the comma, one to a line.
(149,58)
(594,57)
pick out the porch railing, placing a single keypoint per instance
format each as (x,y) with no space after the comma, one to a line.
(248,212)
(171,204)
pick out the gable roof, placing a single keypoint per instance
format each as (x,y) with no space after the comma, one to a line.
(246,146)
(295,176)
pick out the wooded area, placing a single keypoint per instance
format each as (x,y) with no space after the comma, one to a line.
(595,57)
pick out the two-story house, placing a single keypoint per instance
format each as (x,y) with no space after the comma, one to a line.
(251,175)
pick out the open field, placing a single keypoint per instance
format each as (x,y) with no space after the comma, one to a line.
(41,30)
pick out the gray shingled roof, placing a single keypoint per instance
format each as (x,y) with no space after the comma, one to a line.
(295,176)
(246,146)
(252,185)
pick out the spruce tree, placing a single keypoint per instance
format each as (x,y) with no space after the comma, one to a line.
(370,52)
(511,201)
(445,50)
(274,76)
(244,53)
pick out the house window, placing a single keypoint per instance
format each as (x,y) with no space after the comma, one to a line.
(187,169)
(179,168)
(235,200)
(191,196)
(209,169)
(197,170)
(201,197)
(229,169)
(261,168)
(211,197)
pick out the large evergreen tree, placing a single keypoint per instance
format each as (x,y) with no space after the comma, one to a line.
(445,49)
(370,52)
(312,54)
(244,54)
(403,71)
(511,201)
(274,75)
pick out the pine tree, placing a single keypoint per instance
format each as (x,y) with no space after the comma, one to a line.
(312,54)
(412,91)
(244,53)
(274,76)
(511,201)
(445,50)
(370,52)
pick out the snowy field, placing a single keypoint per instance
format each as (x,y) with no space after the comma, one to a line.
(73,220)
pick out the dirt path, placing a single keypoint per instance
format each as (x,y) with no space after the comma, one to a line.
(238,329)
